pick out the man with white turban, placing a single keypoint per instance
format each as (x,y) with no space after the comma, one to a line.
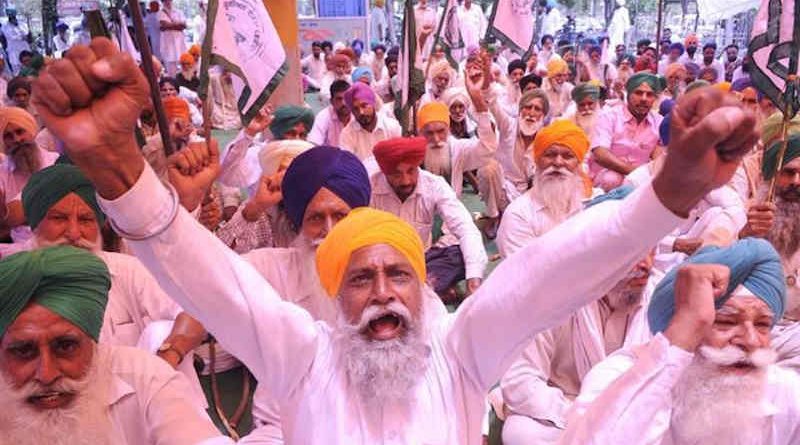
(708,375)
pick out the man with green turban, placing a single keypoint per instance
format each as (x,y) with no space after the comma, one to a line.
(709,374)
(291,122)
(58,385)
(624,137)
(586,99)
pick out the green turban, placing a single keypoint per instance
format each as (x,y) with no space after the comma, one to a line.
(584,90)
(50,185)
(771,155)
(700,83)
(656,82)
(69,281)
(287,116)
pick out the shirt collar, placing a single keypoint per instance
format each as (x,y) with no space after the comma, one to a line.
(383,188)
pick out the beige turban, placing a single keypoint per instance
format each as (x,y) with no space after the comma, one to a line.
(277,152)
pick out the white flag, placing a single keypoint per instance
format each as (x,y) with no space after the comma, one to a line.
(513,24)
(242,38)
(125,39)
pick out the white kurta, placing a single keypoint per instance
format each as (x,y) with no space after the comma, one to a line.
(240,165)
(432,197)
(355,139)
(315,67)
(16,36)
(148,404)
(472,23)
(295,357)
(627,399)
(524,220)
(327,128)
(173,42)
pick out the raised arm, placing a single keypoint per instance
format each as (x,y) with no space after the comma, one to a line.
(276,340)
(584,257)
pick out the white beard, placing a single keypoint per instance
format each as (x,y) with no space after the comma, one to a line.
(714,407)
(586,122)
(95,246)
(623,295)
(383,372)
(437,160)
(529,128)
(785,233)
(85,422)
(560,196)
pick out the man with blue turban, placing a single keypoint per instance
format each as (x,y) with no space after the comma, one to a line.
(709,374)
(58,385)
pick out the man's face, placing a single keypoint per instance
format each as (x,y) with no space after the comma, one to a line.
(709,75)
(548,44)
(25,60)
(316,51)
(560,78)
(595,56)
(691,48)
(21,97)
(436,134)
(788,182)
(168,90)
(732,54)
(619,51)
(378,276)
(39,351)
(650,53)
(458,112)
(587,106)
(180,130)
(676,78)
(441,81)
(339,105)
(743,322)
(391,67)
(641,100)
(16,138)
(557,156)
(531,117)
(323,212)
(71,222)
(750,99)
(438,52)
(186,67)
(403,179)
(674,54)
(364,112)
(569,56)
(516,75)
(341,68)
(299,131)
(708,55)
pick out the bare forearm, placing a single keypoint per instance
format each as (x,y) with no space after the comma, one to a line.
(187,333)
(113,172)
(605,158)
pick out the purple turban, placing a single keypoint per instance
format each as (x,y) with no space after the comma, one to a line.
(359,91)
(323,166)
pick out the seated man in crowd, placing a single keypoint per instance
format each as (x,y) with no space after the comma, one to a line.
(558,187)
(585,106)
(708,375)
(389,368)
(557,87)
(418,196)
(331,120)
(625,137)
(540,386)
(367,127)
(59,386)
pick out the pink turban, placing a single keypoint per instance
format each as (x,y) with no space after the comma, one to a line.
(360,91)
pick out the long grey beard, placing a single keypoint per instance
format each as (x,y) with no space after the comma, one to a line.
(585,122)
(785,233)
(712,407)
(560,196)
(85,422)
(383,372)
(26,159)
(437,160)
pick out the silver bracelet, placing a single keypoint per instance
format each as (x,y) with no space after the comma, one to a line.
(173,214)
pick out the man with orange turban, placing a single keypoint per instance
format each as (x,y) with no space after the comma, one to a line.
(418,196)
(187,76)
(24,157)
(340,66)
(558,190)
(557,87)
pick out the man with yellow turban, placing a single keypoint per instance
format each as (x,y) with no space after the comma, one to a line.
(625,136)
(391,366)
(557,86)
(558,187)
(418,196)
(23,158)
(60,384)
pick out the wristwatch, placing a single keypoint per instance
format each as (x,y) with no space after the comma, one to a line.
(170,347)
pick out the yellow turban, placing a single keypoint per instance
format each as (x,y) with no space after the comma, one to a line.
(556,66)
(433,112)
(17,116)
(562,132)
(366,227)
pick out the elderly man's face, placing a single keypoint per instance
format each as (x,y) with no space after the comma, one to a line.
(299,132)
(403,179)
(441,81)
(458,112)
(323,212)
(641,100)
(436,134)
(675,79)
(71,222)
(168,90)
(531,117)
(16,138)
(40,350)
(559,157)
(379,276)
(341,68)
(743,322)
(364,112)
(21,97)
(788,182)
(587,106)
(560,78)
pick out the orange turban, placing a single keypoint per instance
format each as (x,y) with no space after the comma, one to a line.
(556,66)
(176,107)
(691,38)
(187,58)
(433,112)
(195,50)
(725,87)
(391,152)
(349,53)
(19,117)
(562,132)
(364,227)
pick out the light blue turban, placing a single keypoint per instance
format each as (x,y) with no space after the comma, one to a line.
(753,263)
(618,193)
(360,72)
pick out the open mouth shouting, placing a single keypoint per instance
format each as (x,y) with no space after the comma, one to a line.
(386,326)
(51,399)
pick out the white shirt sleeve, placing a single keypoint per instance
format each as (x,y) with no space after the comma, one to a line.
(238,166)
(476,153)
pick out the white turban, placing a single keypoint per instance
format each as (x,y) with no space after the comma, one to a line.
(276,152)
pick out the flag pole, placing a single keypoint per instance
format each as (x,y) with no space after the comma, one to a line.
(147,64)
(791,80)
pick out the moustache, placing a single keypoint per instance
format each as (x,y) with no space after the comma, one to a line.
(374,312)
(552,172)
(737,357)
